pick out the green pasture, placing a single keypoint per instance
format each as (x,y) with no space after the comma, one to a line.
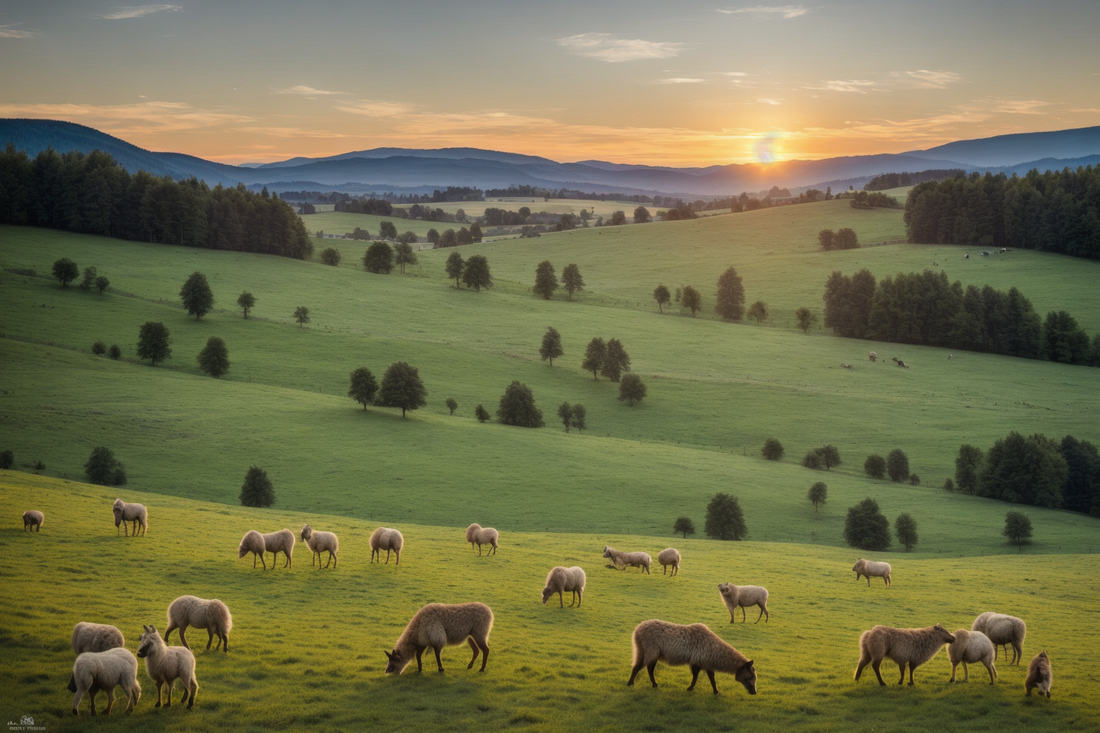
(306,648)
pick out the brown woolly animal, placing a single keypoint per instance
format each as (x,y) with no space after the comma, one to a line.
(95,671)
(565,580)
(911,647)
(386,539)
(437,625)
(212,615)
(694,645)
(970,647)
(252,542)
(1039,675)
(89,637)
(669,557)
(623,560)
(872,355)
(165,664)
(1003,630)
(319,542)
(744,596)
(33,520)
(125,513)
(876,569)
(478,535)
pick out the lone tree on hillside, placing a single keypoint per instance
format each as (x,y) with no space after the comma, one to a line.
(104,469)
(214,357)
(968,466)
(827,239)
(729,302)
(551,345)
(66,271)
(454,266)
(818,493)
(642,215)
(546,282)
(806,318)
(89,278)
(451,404)
(684,526)
(7,459)
(433,237)
(257,491)
(897,465)
(330,256)
(632,389)
(565,412)
(579,414)
(772,450)
(866,527)
(725,521)
(387,230)
(759,311)
(404,255)
(517,407)
(363,386)
(401,387)
(1017,529)
(482,414)
(378,258)
(691,300)
(830,456)
(595,354)
(102,283)
(301,315)
(905,527)
(448,238)
(246,300)
(153,342)
(476,273)
(662,296)
(571,279)
(616,362)
(197,296)
(812,460)
(875,466)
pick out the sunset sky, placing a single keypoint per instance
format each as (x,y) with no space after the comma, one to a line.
(682,83)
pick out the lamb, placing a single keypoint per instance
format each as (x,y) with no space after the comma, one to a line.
(437,625)
(89,637)
(164,664)
(95,671)
(970,647)
(694,645)
(905,646)
(212,615)
(624,560)
(1039,675)
(873,356)
(252,542)
(135,513)
(386,539)
(669,556)
(33,519)
(476,534)
(743,596)
(876,569)
(276,542)
(319,542)
(562,580)
(1003,630)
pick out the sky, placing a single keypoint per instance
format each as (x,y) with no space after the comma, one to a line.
(676,83)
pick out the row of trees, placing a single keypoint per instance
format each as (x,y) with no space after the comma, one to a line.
(884,181)
(601,358)
(867,528)
(474,272)
(844,238)
(380,258)
(93,194)
(546,281)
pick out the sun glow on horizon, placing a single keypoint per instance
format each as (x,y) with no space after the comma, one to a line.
(767,148)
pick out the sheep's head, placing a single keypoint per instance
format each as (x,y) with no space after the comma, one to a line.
(859,565)
(727,590)
(606,551)
(747,677)
(397,662)
(149,638)
(546,593)
(307,531)
(944,635)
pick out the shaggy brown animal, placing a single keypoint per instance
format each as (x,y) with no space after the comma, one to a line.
(911,647)
(437,625)
(1039,675)
(696,646)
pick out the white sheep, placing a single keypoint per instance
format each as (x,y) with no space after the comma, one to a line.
(212,615)
(744,596)
(565,580)
(252,542)
(89,637)
(319,542)
(281,541)
(912,647)
(385,538)
(1003,630)
(669,556)
(33,520)
(95,671)
(869,568)
(476,534)
(135,513)
(165,664)
(872,355)
(970,647)
(623,560)
(694,645)
(437,625)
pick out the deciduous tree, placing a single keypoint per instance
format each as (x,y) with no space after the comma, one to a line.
(517,407)
(866,527)
(817,494)
(691,300)
(451,404)
(683,526)
(257,490)
(875,466)
(897,465)
(90,275)
(725,520)
(214,357)
(579,415)
(565,413)
(759,311)
(662,296)
(806,318)
(616,362)
(246,300)
(330,256)
(401,387)
(632,389)
(153,342)
(546,282)
(1017,529)
(594,356)
(301,315)
(905,528)
(66,271)
(387,230)
(571,279)
(772,450)
(104,469)
(475,274)
(454,266)
(363,386)
(551,345)
(197,296)
(642,215)
(404,255)
(378,258)
(482,414)
(729,302)
(102,283)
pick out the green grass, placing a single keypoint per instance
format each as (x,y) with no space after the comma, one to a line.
(306,645)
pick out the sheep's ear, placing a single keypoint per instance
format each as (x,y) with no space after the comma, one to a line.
(749,665)
(388,655)
(146,628)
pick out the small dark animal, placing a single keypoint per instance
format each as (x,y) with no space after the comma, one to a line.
(1039,675)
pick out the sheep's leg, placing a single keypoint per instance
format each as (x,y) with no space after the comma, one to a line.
(580,598)
(650,667)
(695,668)
(92,692)
(80,696)
(912,668)
(419,666)
(1017,653)
(954,666)
(992,672)
(439,662)
(634,673)
(287,563)
(561,601)
(742,614)
(210,638)
(168,686)
(387,556)
(171,627)
(759,615)
(183,639)
(110,699)
(966,672)
(875,664)
(710,676)
(159,683)
(475,650)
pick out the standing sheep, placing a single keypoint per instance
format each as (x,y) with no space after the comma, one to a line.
(1003,630)
(905,646)
(694,645)
(135,513)
(476,534)
(95,671)
(623,560)
(164,664)
(386,539)
(669,556)
(276,542)
(319,542)
(744,596)
(89,637)
(437,625)
(33,519)
(1039,675)
(970,647)
(212,615)
(872,355)
(252,542)
(869,568)
(562,580)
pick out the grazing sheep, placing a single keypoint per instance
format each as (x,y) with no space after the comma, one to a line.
(1039,675)
(966,256)
(33,519)
(212,615)
(623,560)
(694,645)
(476,534)
(276,542)
(876,569)
(1003,630)
(135,513)
(970,647)
(743,596)
(164,664)
(437,625)
(845,366)
(562,580)
(252,542)
(905,646)
(89,637)
(95,671)
(386,539)
(669,556)
(319,542)
(873,356)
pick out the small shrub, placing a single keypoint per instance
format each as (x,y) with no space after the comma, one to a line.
(99,348)
(914,479)
(452,405)
(114,352)
(482,414)
(7,459)
(948,485)
(39,466)
(725,520)
(103,468)
(772,450)
(812,460)
(897,465)
(257,490)
(875,466)
(684,526)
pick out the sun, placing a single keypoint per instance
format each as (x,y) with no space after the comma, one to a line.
(767,148)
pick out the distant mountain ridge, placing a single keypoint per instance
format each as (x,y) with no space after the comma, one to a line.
(414,170)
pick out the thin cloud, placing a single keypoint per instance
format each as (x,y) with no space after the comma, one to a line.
(374,108)
(766,12)
(306,91)
(140,11)
(858,86)
(606,47)
(9,31)
(925,79)
(764,100)
(681,80)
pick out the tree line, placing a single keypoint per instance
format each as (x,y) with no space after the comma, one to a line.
(93,194)
(883,181)
(1056,211)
